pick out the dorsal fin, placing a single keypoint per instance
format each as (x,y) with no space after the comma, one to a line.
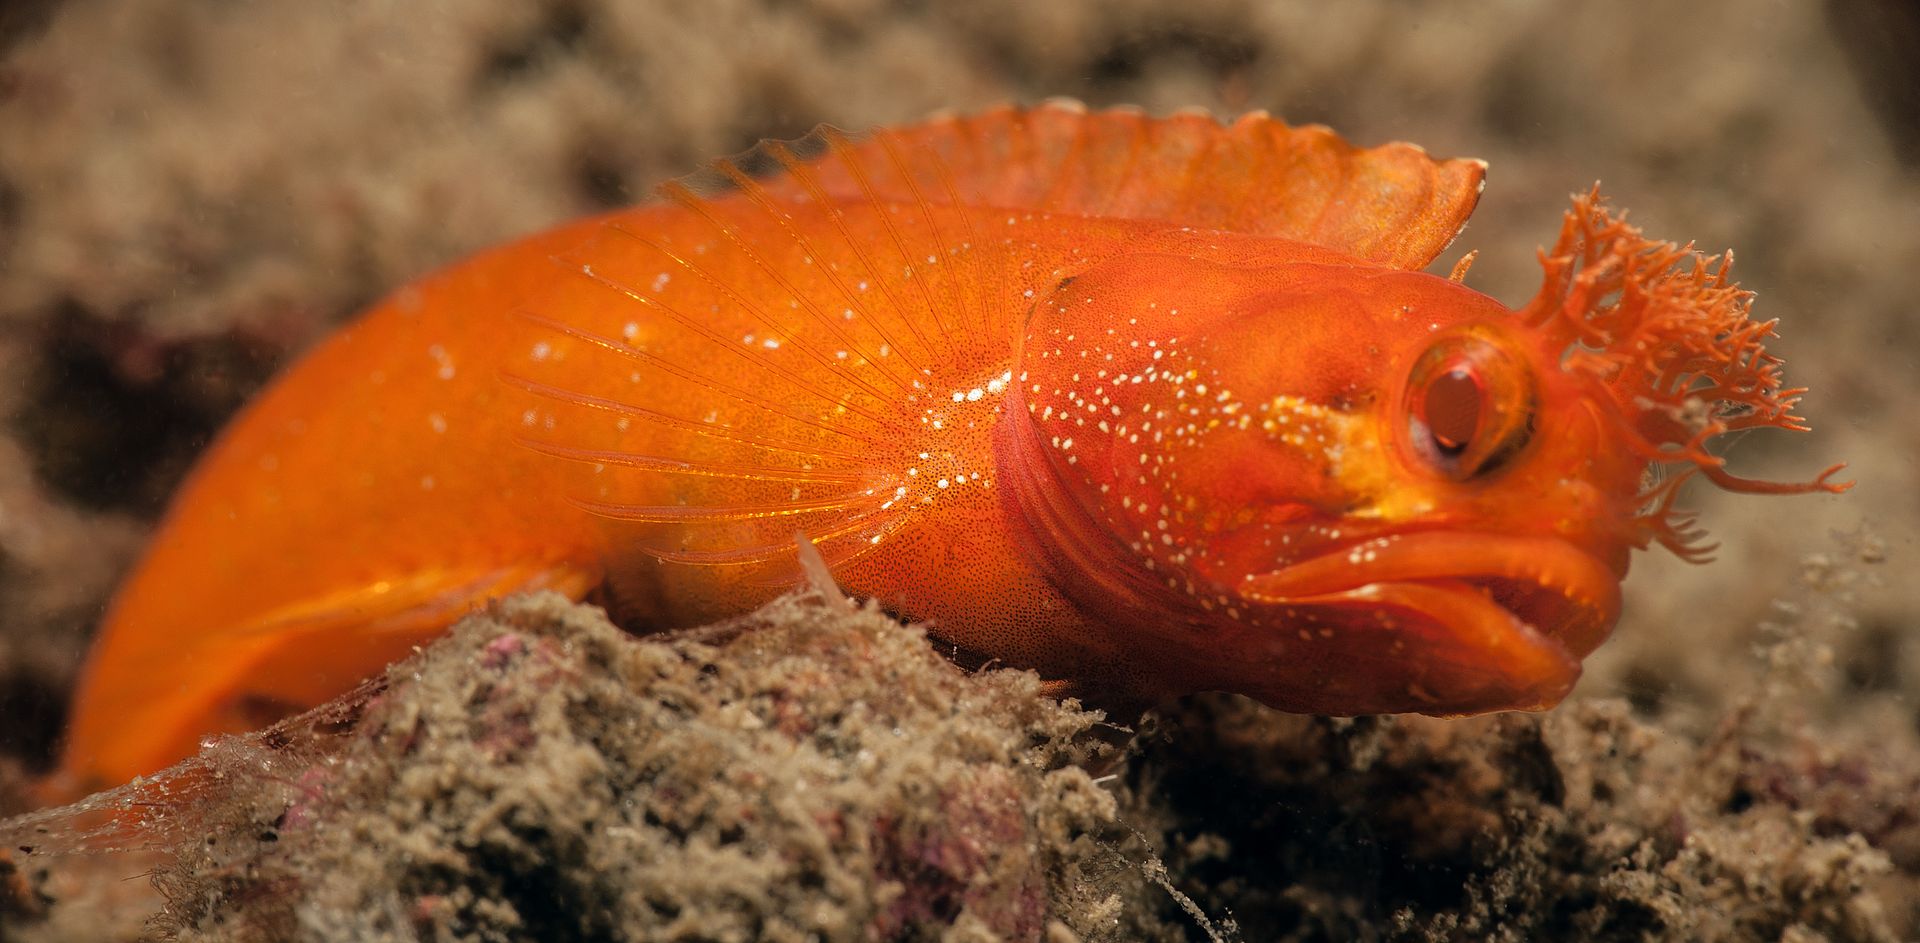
(1393,204)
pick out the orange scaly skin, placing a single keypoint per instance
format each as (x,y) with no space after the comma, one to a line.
(1150,405)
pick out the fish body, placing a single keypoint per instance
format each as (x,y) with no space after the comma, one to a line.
(1148,405)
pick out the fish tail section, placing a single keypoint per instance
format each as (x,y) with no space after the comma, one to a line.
(133,716)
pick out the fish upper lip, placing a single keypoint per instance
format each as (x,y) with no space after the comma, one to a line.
(1507,617)
(1446,556)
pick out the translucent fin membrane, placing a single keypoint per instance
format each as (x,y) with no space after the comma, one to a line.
(1668,333)
(1392,204)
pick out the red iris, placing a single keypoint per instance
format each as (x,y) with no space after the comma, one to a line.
(1470,407)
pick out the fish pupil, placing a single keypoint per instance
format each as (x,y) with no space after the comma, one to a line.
(1451,410)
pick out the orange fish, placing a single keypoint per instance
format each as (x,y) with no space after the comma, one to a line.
(1149,405)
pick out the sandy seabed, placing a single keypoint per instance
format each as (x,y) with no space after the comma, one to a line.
(191,193)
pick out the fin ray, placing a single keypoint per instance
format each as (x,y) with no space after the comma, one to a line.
(843,148)
(681,466)
(763,362)
(744,397)
(758,196)
(1393,204)
(719,513)
(722,433)
(678,193)
(804,174)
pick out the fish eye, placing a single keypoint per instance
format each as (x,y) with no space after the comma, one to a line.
(1469,407)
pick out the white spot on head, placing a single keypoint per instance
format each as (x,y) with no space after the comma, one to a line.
(445,361)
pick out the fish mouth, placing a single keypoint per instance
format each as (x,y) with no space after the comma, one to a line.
(1467,622)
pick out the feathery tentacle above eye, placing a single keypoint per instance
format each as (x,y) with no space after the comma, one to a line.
(1666,331)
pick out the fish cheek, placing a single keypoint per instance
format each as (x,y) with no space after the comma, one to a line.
(1257,474)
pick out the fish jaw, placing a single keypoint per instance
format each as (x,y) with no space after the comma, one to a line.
(1456,622)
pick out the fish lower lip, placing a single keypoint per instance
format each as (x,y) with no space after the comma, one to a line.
(1475,622)
(1529,572)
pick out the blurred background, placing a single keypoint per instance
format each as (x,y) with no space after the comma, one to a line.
(193,191)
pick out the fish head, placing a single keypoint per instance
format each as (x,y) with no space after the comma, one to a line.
(1351,489)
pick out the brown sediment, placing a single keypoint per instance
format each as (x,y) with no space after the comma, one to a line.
(808,772)
(815,770)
